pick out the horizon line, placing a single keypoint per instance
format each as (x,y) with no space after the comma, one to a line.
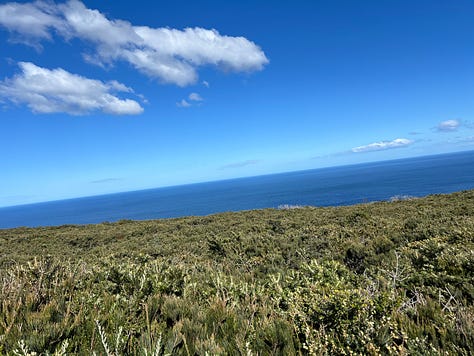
(230,179)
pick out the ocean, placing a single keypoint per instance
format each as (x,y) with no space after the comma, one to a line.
(344,185)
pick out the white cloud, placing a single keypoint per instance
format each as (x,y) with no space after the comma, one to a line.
(170,55)
(200,46)
(383,145)
(152,64)
(448,125)
(195,97)
(33,20)
(206,83)
(93,26)
(52,91)
(183,104)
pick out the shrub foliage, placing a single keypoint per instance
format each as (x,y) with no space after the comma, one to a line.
(380,278)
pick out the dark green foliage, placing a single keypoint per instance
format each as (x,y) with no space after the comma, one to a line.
(380,278)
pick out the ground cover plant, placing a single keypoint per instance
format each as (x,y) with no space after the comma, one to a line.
(379,278)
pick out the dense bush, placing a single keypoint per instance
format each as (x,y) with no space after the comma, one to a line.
(381,278)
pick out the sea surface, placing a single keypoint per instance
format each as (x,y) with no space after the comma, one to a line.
(345,185)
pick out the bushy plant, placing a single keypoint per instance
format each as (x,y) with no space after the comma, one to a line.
(381,278)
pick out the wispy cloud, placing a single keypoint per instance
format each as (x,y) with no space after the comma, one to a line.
(383,145)
(55,91)
(105,180)
(183,104)
(170,55)
(448,125)
(192,98)
(206,83)
(195,97)
(241,164)
(462,140)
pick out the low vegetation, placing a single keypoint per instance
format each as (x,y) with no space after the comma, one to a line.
(380,278)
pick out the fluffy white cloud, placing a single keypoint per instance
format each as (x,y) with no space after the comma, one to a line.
(91,25)
(51,91)
(200,46)
(448,125)
(34,20)
(383,145)
(170,55)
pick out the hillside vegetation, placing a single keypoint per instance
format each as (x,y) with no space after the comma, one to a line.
(380,278)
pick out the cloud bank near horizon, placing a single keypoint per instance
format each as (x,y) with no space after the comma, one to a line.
(448,125)
(383,145)
(169,55)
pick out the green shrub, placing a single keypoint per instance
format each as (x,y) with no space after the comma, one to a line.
(381,278)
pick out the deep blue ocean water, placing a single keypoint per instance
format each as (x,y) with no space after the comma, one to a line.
(343,185)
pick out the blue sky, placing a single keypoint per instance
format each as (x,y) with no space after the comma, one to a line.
(99,97)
